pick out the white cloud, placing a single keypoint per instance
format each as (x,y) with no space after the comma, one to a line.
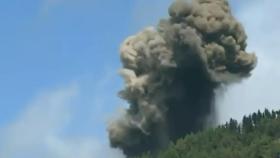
(80,148)
(42,117)
(39,131)
(260,19)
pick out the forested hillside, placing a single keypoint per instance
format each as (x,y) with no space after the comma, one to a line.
(258,136)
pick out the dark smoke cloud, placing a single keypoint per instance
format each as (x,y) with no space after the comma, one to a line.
(171,73)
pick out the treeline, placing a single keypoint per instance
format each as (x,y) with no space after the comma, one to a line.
(259,121)
(257,136)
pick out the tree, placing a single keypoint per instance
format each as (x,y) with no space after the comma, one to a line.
(259,137)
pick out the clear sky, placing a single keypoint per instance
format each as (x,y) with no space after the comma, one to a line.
(58,71)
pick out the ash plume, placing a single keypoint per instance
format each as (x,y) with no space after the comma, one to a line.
(171,72)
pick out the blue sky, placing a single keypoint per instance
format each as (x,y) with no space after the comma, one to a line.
(58,70)
(43,48)
(50,43)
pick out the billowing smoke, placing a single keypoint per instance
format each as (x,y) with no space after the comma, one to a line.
(171,72)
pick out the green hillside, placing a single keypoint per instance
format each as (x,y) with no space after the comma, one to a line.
(258,136)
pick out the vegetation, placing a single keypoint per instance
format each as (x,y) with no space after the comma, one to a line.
(258,136)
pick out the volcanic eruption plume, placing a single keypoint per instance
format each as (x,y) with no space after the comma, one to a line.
(171,72)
